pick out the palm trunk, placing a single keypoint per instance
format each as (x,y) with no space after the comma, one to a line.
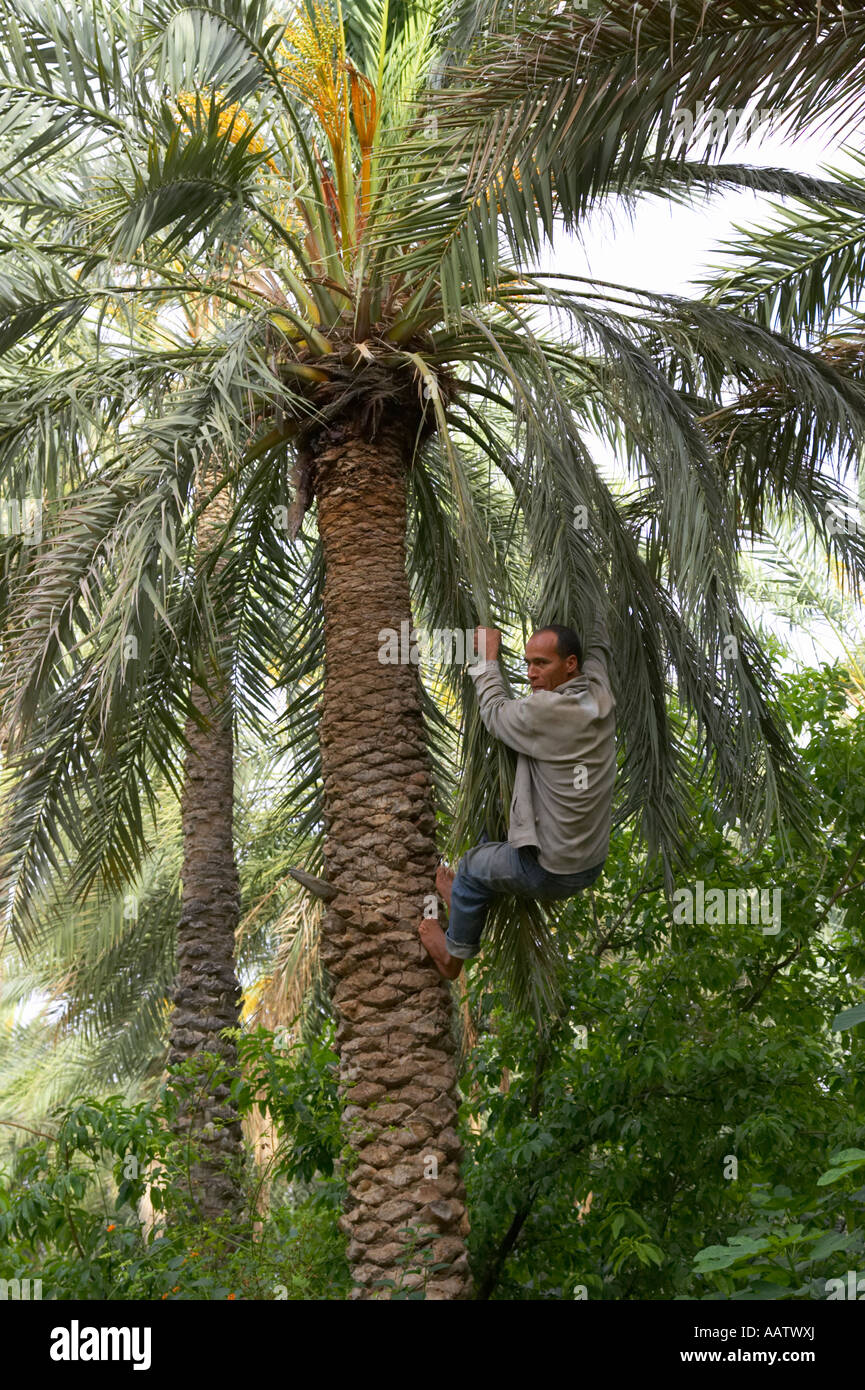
(397,1064)
(207,992)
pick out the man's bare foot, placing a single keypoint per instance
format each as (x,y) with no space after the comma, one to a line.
(434,942)
(444,882)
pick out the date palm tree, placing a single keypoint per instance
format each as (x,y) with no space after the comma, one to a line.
(370,339)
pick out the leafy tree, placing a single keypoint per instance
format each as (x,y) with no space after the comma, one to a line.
(69,1213)
(667,1134)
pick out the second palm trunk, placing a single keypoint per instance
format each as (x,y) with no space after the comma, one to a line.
(207,992)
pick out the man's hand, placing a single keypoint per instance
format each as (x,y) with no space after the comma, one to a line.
(488,641)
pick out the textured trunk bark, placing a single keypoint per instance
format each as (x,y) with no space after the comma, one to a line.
(207,992)
(397,1064)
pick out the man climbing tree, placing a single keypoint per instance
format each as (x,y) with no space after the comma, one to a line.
(559,828)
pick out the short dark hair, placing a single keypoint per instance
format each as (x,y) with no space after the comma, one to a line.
(567,641)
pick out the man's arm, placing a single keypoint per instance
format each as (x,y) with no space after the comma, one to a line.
(598,652)
(524,725)
(518,723)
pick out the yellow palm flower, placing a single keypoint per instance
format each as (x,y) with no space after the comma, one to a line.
(231,120)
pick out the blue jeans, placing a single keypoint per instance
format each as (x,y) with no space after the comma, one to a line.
(496,867)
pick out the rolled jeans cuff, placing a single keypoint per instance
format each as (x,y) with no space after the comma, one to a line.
(460,949)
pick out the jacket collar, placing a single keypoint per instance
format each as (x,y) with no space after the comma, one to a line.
(575,683)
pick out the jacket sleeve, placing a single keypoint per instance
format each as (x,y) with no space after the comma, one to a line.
(598,656)
(525,724)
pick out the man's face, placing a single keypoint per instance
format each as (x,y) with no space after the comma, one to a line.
(545,668)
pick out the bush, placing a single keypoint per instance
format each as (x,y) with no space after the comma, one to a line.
(69,1207)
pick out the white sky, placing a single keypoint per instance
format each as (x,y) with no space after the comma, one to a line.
(668,246)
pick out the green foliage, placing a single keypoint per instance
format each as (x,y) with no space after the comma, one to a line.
(678,1048)
(781,1253)
(301,1100)
(675,1048)
(69,1210)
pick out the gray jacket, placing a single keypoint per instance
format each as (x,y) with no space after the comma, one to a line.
(566,741)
